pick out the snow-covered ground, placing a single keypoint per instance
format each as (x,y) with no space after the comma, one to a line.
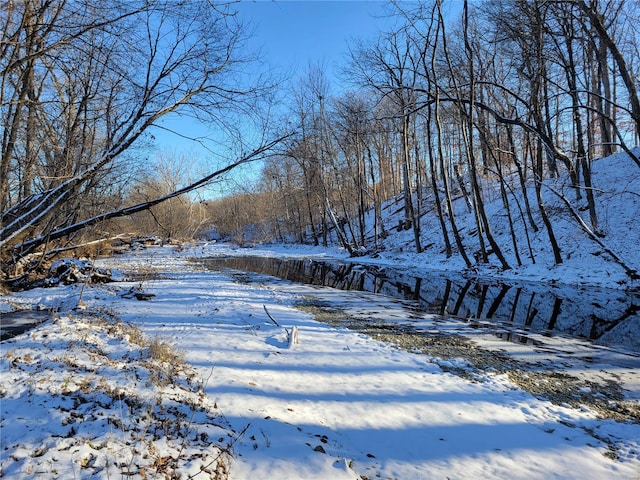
(83,396)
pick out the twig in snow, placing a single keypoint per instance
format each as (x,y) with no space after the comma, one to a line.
(270,317)
(292,335)
(224,450)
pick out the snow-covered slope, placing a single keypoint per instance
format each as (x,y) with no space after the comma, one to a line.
(616,187)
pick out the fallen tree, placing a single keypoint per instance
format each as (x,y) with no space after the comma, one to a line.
(19,255)
(83,83)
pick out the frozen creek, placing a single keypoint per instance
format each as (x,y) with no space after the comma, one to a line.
(564,370)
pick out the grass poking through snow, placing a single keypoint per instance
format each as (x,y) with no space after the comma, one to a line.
(124,406)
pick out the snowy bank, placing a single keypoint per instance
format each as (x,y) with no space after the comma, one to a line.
(339,404)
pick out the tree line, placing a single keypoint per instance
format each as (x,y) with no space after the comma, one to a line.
(458,103)
(508,93)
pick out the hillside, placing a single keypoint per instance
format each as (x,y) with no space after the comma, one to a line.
(585,260)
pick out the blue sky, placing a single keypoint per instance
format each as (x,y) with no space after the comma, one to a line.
(291,35)
(294,34)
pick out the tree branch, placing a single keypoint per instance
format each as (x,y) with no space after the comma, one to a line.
(29,245)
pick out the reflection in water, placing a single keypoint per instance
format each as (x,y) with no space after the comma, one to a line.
(14,323)
(607,316)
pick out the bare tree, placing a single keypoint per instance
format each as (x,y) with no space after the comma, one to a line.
(595,11)
(108,70)
(178,218)
(389,67)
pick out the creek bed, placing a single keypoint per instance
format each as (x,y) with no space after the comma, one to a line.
(606,317)
(552,362)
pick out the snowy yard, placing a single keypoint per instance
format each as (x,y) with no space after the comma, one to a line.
(85,396)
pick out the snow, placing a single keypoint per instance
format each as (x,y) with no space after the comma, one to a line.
(336,405)
(180,372)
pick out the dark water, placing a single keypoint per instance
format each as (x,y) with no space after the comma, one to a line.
(15,323)
(604,316)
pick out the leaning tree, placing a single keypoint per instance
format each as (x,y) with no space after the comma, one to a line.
(82,83)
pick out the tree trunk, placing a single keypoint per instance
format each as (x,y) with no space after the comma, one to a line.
(410,214)
(543,211)
(597,21)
